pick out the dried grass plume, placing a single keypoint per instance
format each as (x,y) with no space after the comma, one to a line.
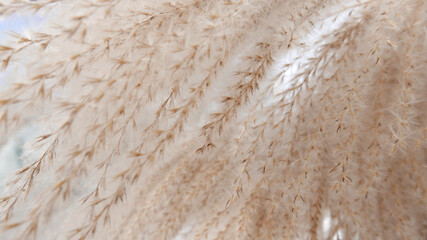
(225,119)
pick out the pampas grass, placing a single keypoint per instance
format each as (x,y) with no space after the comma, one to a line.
(198,119)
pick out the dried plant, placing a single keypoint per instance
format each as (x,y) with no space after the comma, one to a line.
(227,119)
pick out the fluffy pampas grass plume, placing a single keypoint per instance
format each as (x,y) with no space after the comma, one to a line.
(227,119)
